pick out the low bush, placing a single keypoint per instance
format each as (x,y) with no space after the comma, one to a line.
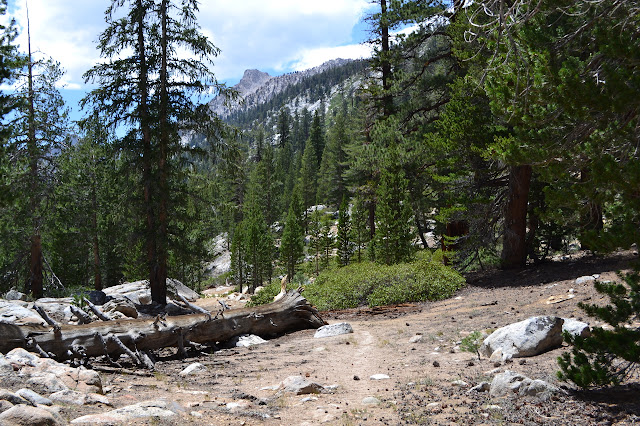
(371,284)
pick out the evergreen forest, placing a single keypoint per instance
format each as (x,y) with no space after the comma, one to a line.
(494,134)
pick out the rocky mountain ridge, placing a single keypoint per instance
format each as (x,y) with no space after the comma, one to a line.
(257,87)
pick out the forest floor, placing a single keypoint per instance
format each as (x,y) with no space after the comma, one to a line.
(238,386)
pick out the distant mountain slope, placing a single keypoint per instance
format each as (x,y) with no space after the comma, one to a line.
(263,95)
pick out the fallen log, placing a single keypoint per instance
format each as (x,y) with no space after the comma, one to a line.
(137,336)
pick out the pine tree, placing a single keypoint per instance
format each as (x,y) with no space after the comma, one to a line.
(344,234)
(331,180)
(309,177)
(9,63)
(258,242)
(292,243)
(317,139)
(153,89)
(39,129)
(315,232)
(360,235)
(607,356)
(393,233)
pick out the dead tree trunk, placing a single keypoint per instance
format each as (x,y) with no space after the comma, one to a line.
(136,336)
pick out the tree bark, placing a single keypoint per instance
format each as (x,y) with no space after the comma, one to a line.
(514,249)
(34,285)
(157,290)
(291,313)
(164,139)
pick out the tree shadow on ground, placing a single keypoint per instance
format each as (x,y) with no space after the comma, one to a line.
(553,271)
(617,402)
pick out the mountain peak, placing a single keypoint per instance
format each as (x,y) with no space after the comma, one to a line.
(257,87)
(251,81)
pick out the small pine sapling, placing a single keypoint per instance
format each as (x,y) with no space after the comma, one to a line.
(607,356)
(471,343)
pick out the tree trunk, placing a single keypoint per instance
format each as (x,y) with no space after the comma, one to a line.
(160,295)
(387,101)
(450,240)
(35,280)
(514,249)
(591,219)
(147,164)
(113,338)
(97,275)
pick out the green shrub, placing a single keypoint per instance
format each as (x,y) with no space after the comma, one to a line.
(266,294)
(374,284)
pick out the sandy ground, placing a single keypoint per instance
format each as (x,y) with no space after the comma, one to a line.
(237,387)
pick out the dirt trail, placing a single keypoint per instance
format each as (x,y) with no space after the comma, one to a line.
(238,386)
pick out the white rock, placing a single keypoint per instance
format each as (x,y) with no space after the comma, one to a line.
(510,383)
(15,295)
(193,369)
(22,357)
(122,305)
(379,377)
(69,397)
(480,387)
(16,312)
(416,339)
(32,416)
(300,385)
(14,398)
(460,383)
(525,338)
(585,279)
(146,409)
(333,330)
(576,328)
(140,293)
(33,397)
(371,400)
(246,340)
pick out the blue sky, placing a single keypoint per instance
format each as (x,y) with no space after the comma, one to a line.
(276,36)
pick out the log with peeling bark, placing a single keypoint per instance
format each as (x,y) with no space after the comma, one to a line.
(135,337)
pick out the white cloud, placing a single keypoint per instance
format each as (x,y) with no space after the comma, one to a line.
(314,57)
(64,30)
(273,35)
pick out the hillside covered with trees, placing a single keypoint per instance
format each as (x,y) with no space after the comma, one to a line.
(498,134)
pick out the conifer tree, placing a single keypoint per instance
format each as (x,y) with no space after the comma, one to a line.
(147,85)
(393,233)
(331,180)
(360,235)
(258,241)
(9,63)
(317,139)
(607,356)
(343,242)
(38,131)
(309,177)
(315,232)
(292,243)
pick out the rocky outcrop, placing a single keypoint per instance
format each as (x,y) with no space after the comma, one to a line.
(257,87)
